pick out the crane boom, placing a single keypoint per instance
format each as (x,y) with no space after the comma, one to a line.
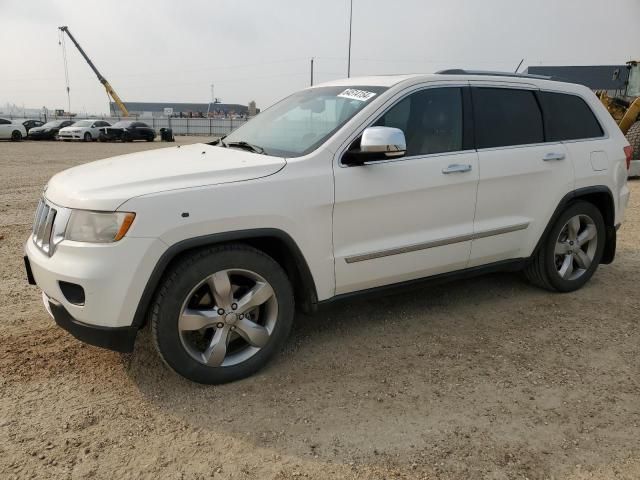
(110,91)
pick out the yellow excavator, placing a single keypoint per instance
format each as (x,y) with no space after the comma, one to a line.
(625,108)
(110,91)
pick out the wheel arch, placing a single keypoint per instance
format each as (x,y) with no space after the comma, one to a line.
(602,198)
(274,242)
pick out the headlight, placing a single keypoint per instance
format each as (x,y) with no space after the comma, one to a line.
(98,227)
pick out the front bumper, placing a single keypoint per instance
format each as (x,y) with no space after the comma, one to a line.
(119,339)
(112,276)
(634,169)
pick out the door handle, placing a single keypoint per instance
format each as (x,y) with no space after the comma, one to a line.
(457,168)
(553,156)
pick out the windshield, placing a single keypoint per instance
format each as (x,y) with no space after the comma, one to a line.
(300,123)
(122,124)
(83,123)
(53,124)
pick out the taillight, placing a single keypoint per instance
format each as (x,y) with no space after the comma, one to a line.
(628,153)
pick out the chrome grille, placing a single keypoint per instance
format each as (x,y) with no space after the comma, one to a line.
(43,226)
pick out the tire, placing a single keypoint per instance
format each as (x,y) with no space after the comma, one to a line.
(633,137)
(87,137)
(150,139)
(186,288)
(16,136)
(560,261)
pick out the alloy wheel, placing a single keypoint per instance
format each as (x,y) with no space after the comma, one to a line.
(576,247)
(228,317)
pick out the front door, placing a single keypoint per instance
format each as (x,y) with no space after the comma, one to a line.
(401,219)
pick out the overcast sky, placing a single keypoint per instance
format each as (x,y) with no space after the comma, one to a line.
(164,50)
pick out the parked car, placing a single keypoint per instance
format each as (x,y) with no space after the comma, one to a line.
(48,131)
(29,124)
(127,131)
(86,130)
(11,130)
(350,187)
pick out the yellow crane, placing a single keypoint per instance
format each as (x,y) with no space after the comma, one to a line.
(110,91)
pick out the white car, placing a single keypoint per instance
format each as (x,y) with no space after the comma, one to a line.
(344,188)
(86,130)
(12,130)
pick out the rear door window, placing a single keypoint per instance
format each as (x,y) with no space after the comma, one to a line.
(506,117)
(568,117)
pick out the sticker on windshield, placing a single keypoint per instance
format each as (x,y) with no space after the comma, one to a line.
(355,94)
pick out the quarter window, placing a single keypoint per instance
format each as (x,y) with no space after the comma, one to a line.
(431,120)
(568,117)
(505,117)
(4,122)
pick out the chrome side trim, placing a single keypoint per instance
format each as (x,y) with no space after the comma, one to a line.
(436,243)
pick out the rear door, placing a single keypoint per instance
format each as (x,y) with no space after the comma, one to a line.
(522,176)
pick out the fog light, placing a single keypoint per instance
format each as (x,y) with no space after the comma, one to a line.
(72,292)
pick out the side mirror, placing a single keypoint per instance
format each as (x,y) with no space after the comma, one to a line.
(377,143)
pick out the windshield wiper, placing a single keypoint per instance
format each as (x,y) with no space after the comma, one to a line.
(246,146)
(219,142)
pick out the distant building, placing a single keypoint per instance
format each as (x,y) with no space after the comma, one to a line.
(157,109)
(253,111)
(596,77)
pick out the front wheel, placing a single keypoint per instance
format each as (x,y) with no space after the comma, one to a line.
(87,137)
(222,313)
(570,254)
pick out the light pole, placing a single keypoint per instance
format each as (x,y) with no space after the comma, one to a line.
(350,22)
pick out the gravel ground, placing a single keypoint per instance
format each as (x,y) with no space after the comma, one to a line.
(488,378)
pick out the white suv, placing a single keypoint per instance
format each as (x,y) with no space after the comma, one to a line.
(346,187)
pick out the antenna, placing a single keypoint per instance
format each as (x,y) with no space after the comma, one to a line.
(519,65)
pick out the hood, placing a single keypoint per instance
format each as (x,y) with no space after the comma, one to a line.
(106,184)
(71,128)
(38,129)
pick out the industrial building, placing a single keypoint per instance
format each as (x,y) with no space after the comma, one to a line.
(161,109)
(597,77)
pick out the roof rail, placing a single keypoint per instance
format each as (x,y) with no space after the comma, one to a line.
(460,71)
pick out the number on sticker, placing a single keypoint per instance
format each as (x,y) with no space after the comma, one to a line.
(355,94)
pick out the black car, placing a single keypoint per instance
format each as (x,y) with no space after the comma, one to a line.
(127,131)
(29,124)
(49,131)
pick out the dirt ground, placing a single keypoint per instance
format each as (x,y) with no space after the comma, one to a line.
(488,378)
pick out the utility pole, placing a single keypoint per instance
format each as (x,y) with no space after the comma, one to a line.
(350,22)
(312,71)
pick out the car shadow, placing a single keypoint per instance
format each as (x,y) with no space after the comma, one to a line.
(372,376)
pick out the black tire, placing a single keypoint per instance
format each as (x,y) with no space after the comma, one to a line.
(542,269)
(16,136)
(633,137)
(150,139)
(178,285)
(87,137)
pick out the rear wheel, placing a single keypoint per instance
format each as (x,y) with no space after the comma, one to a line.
(572,251)
(16,136)
(222,313)
(633,137)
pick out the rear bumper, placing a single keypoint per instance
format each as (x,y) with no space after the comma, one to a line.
(119,339)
